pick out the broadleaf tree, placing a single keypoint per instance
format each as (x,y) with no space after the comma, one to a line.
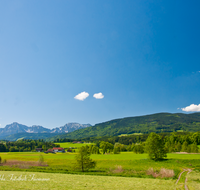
(83,160)
(155,147)
(106,147)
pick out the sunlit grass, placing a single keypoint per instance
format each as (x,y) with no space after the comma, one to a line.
(194,180)
(122,135)
(81,182)
(74,145)
(132,163)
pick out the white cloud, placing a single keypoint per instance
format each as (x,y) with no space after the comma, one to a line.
(192,107)
(98,95)
(82,96)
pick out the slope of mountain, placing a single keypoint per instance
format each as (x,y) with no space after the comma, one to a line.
(160,122)
(16,128)
(34,136)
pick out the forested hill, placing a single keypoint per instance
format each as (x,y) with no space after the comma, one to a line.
(160,122)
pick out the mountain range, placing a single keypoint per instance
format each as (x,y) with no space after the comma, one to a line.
(16,128)
(158,123)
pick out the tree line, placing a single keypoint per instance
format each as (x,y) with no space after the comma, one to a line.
(25,145)
(174,142)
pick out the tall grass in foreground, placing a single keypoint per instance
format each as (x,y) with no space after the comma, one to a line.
(81,182)
(194,180)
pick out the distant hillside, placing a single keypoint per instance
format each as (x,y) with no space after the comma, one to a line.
(15,130)
(160,122)
(34,136)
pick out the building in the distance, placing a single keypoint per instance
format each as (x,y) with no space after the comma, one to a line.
(58,149)
(39,149)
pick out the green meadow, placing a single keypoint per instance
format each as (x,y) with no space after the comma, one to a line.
(122,135)
(62,156)
(111,172)
(132,165)
(73,145)
(14,180)
(194,180)
(35,181)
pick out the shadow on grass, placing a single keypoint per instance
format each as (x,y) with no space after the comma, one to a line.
(161,160)
(158,160)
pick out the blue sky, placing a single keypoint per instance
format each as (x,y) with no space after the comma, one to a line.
(143,56)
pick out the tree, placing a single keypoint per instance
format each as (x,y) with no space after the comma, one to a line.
(95,150)
(167,146)
(194,148)
(116,150)
(138,149)
(2,148)
(184,147)
(106,146)
(83,160)
(155,147)
(196,138)
(44,147)
(12,149)
(178,147)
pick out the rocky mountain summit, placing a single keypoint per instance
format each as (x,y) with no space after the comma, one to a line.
(15,128)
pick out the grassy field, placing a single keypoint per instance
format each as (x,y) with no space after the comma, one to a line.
(122,135)
(194,180)
(14,180)
(74,145)
(179,131)
(32,180)
(133,165)
(121,156)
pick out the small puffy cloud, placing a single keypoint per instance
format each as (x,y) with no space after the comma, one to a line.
(191,108)
(98,95)
(82,96)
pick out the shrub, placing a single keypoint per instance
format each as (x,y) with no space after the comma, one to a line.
(118,169)
(164,173)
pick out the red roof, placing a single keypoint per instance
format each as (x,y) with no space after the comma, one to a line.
(58,148)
